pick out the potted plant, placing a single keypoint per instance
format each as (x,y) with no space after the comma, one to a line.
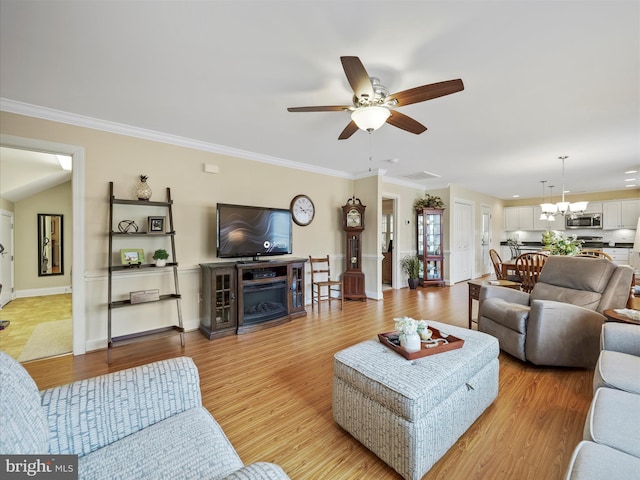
(160,256)
(411,267)
(428,201)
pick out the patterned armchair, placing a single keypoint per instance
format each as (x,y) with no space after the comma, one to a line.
(144,422)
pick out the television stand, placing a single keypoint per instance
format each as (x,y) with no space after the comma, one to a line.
(246,296)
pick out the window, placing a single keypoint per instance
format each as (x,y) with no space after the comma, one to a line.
(387,230)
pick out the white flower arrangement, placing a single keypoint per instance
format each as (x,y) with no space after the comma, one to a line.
(406,325)
(409,326)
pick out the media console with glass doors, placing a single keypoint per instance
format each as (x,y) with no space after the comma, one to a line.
(241,297)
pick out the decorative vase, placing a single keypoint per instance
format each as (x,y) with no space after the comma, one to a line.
(161,262)
(413,283)
(143,190)
(410,342)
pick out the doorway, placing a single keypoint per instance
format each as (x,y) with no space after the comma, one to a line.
(77,236)
(485,240)
(462,241)
(389,241)
(6,256)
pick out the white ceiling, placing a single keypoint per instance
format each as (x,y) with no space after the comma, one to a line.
(542,79)
(24,173)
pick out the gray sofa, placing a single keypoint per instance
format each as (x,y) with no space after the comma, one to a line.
(559,322)
(611,445)
(146,422)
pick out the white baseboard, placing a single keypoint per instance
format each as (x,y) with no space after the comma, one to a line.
(40,292)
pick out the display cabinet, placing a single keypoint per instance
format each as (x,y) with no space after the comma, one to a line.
(430,243)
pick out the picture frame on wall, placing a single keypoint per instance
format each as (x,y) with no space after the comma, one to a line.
(155,225)
(132,256)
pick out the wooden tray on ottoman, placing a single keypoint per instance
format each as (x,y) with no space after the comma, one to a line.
(390,337)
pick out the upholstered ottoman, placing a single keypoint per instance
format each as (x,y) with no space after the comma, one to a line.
(410,412)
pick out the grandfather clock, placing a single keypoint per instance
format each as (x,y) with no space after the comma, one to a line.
(353,225)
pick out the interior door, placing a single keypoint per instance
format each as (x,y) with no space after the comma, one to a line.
(462,242)
(6,257)
(485,240)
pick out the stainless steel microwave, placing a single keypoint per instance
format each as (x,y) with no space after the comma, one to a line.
(583,220)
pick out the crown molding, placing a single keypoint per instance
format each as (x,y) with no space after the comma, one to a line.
(45,113)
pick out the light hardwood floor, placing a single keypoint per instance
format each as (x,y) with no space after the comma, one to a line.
(271,393)
(25,314)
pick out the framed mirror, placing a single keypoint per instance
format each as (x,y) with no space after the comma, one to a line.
(50,245)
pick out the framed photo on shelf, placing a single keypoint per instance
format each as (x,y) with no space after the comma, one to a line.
(155,224)
(132,256)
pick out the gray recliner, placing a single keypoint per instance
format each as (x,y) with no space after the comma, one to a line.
(559,322)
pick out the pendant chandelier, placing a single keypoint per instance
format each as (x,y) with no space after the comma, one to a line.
(563,207)
(548,209)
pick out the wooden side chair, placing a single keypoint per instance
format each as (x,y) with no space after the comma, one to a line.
(322,282)
(528,267)
(497,263)
(594,254)
(496,260)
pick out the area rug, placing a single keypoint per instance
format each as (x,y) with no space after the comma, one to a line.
(48,340)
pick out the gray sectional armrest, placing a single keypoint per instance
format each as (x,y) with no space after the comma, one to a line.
(86,415)
(621,337)
(259,471)
(563,334)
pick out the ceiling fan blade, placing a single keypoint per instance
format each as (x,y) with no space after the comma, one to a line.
(348,131)
(358,77)
(328,108)
(426,92)
(404,122)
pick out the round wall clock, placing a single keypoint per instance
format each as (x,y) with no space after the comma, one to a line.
(302,210)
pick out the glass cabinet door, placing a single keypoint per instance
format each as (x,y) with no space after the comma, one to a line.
(296,282)
(434,234)
(420,224)
(224,298)
(430,245)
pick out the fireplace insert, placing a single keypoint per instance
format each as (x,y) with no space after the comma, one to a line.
(263,301)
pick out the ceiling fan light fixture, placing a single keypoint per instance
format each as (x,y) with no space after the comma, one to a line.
(370,118)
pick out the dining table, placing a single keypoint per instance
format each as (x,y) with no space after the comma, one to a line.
(508,267)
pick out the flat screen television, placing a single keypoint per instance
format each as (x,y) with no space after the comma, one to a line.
(246,231)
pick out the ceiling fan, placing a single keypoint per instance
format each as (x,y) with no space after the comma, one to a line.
(373,106)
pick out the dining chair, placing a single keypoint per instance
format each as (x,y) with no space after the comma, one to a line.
(593,254)
(321,279)
(528,267)
(497,263)
(496,260)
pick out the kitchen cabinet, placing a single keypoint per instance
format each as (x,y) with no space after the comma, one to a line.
(544,225)
(620,256)
(518,218)
(594,207)
(620,214)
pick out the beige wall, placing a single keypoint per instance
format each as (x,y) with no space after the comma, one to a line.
(6,205)
(120,158)
(56,200)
